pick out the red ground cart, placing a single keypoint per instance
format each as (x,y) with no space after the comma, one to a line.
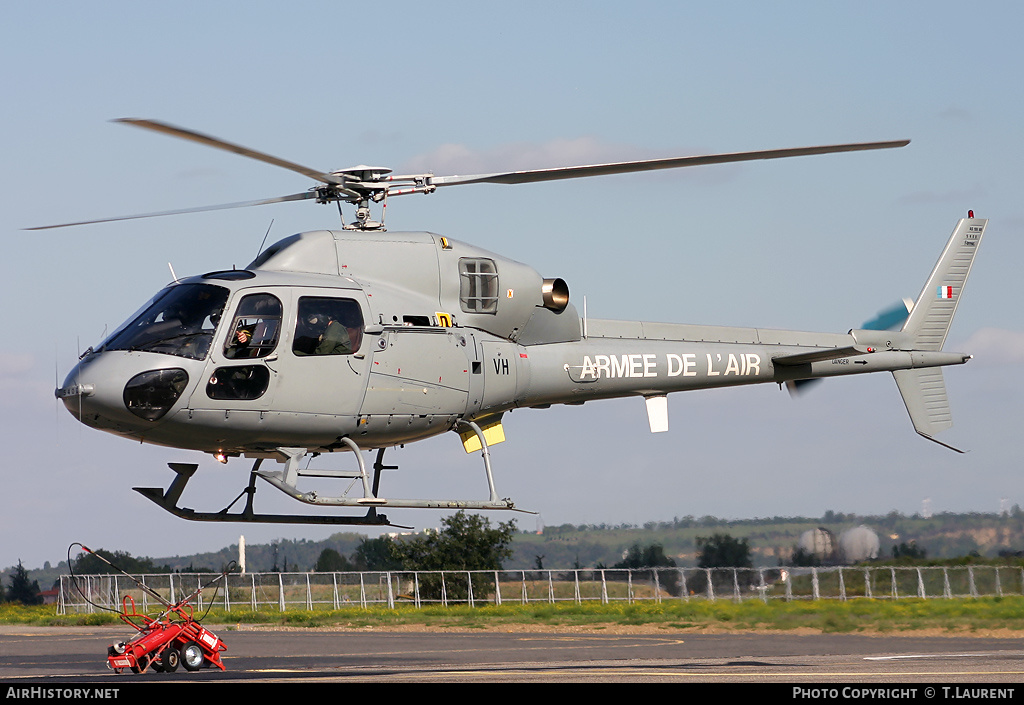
(164,642)
(172,638)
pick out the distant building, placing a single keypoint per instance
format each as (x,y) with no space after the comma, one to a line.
(818,543)
(858,544)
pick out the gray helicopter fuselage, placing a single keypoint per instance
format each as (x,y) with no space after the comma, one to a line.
(388,338)
(418,336)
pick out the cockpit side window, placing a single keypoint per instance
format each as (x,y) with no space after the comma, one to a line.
(256,327)
(478,289)
(327,326)
(180,320)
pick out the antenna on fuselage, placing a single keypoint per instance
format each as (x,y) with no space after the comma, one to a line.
(264,239)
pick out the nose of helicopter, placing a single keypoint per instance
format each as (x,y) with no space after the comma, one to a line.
(123,392)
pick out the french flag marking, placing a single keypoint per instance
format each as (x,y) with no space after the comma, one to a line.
(945,292)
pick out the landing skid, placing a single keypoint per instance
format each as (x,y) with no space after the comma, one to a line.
(169,501)
(286,480)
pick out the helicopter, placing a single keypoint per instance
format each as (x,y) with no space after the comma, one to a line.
(361,339)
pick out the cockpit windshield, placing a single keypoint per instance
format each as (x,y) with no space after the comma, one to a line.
(180,320)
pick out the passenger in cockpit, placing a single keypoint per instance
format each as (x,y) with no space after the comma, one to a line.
(335,339)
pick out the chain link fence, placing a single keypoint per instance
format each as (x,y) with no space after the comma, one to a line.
(320,591)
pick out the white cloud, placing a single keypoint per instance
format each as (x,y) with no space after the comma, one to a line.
(462,159)
(13,365)
(996,346)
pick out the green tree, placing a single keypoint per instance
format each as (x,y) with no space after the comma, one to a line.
(89,564)
(21,589)
(910,551)
(652,557)
(720,552)
(723,551)
(803,557)
(467,542)
(331,561)
(380,553)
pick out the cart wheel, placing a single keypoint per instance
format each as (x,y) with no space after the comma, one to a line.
(169,659)
(192,656)
(140,664)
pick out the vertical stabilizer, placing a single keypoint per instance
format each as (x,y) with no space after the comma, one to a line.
(932,314)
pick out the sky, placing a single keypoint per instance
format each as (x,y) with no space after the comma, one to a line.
(815,243)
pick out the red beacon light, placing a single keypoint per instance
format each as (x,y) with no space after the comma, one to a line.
(970,214)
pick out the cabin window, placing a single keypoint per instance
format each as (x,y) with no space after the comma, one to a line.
(240,383)
(478,290)
(327,326)
(255,329)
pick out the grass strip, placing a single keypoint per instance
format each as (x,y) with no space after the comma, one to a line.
(854,616)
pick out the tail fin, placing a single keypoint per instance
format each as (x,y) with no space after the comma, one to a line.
(929,321)
(923,389)
(924,393)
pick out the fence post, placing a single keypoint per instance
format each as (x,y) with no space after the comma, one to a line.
(497,589)
(920,585)
(551,589)
(334,582)
(576,580)
(814,584)
(199,596)
(362,592)
(842,587)
(736,586)
(946,591)
(684,593)
(526,597)
(280,593)
(604,589)
(895,590)
(629,586)
(970,581)
(867,583)
(252,595)
(391,593)
(789,586)
(999,588)
(444,591)
(711,588)
(657,586)
(309,594)
(763,587)
(416,589)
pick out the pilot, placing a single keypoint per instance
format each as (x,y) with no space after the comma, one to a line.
(239,345)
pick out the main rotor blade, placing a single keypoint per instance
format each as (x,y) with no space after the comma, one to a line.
(280,199)
(576,172)
(209,141)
